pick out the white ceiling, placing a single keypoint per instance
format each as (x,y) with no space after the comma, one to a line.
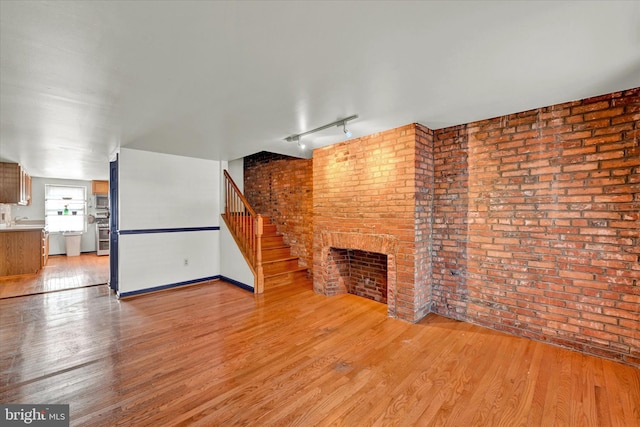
(221,80)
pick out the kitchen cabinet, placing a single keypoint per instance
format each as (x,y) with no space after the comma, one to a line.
(27,188)
(100,187)
(15,184)
(24,250)
(45,248)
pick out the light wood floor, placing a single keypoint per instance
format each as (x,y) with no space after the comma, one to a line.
(61,272)
(216,355)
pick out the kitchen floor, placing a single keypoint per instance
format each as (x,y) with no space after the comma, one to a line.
(60,273)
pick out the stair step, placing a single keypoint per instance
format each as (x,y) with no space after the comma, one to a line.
(286,273)
(279,259)
(269,230)
(280,267)
(272,254)
(272,242)
(273,248)
(286,279)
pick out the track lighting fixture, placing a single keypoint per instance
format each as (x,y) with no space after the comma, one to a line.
(342,122)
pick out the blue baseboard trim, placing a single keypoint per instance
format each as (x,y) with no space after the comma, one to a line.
(169,286)
(167,230)
(236,283)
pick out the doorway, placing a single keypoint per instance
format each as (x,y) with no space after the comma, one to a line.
(61,273)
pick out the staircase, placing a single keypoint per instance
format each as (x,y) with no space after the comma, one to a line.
(278,265)
(261,245)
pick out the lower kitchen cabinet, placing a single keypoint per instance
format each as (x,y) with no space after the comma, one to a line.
(22,251)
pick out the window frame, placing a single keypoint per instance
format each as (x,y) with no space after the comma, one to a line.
(74,199)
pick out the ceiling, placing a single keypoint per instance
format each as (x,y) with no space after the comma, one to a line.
(221,80)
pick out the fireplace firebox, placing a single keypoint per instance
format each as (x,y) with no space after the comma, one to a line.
(360,273)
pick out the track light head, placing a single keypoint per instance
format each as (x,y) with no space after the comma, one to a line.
(347,133)
(298,140)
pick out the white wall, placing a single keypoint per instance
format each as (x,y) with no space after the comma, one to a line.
(152,260)
(166,191)
(162,191)
(236,170)
(35,212)
(232,263)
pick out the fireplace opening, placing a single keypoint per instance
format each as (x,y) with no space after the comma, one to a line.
(360,273)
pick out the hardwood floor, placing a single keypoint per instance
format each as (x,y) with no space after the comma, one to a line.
(61,272)
(214,354)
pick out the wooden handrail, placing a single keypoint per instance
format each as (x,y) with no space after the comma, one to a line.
(246,228)
(237,191)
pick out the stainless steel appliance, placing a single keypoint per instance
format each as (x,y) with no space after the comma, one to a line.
(102,235)
(102,201)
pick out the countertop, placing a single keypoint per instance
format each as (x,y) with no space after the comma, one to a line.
(21,227)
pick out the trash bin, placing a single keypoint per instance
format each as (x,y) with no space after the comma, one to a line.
(72,242)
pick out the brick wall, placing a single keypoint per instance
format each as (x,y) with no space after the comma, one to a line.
(539,235)
(281,187)
(527,223)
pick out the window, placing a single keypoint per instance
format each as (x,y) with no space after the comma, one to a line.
(65,208)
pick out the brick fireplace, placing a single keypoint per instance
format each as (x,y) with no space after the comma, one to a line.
(365,195)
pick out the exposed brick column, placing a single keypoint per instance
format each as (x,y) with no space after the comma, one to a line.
(367,187)
(450,221)
(424,198)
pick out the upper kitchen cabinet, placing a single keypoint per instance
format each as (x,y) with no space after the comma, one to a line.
(15,184)
(100,187)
